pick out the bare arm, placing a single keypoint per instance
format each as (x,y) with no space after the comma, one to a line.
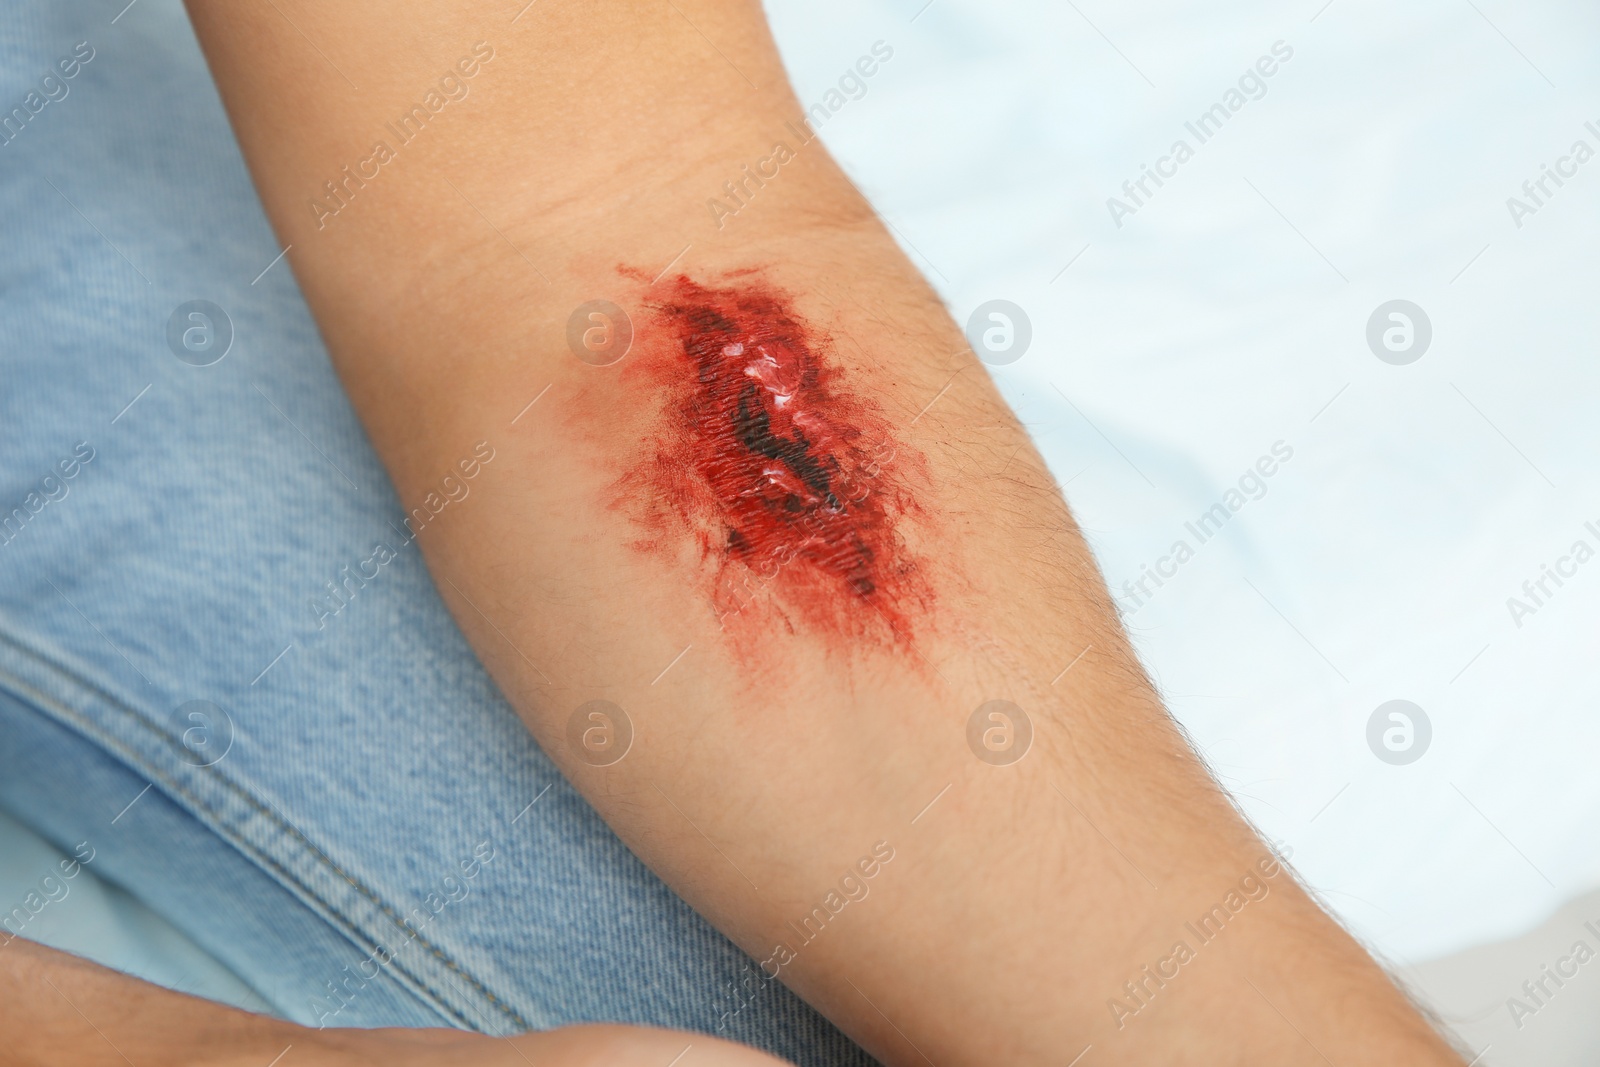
(793,534)
(60,1011)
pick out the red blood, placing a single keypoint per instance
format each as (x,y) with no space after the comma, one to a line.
(788,485)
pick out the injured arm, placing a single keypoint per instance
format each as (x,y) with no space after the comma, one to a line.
(761,557)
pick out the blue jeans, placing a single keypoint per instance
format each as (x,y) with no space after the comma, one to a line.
(281,744)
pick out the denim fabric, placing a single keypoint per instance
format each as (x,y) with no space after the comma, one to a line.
(351,818)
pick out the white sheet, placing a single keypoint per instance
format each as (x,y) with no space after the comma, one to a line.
(1224,316)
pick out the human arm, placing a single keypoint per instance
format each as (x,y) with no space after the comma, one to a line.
(799,635)
(57,1010)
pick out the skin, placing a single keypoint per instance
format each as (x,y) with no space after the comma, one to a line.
(772,753)
(68,1012)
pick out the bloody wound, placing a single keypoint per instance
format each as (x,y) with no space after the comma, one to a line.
(790,485)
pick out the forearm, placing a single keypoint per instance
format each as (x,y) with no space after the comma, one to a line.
(799,635)
(57,1009)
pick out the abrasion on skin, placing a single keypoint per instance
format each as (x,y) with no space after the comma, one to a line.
(789,485)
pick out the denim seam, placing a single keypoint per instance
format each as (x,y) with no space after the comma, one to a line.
(72,718)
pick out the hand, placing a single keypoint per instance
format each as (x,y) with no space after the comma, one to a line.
(59,1009)
(570,1046)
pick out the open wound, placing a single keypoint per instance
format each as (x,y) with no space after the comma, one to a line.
(789,485)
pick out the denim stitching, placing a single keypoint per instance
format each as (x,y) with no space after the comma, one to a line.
(136,760)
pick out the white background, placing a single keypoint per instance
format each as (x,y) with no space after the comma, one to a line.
(1224,316)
